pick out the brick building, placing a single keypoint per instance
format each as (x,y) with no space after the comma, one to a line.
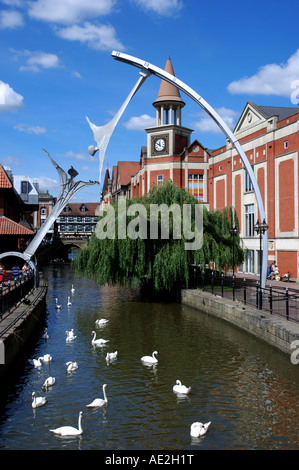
(270,139)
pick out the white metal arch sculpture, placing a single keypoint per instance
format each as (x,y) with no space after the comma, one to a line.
(149,68)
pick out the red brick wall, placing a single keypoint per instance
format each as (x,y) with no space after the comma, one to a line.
(286,196)
(287,261)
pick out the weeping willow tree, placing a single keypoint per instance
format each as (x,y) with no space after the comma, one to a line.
(137,258)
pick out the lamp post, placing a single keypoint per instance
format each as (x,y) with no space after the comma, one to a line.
(260,229)
(233,231)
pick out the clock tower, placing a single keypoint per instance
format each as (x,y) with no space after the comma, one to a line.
(168,137)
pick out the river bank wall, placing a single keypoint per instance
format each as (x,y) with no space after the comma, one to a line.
(19,327)
(271,328)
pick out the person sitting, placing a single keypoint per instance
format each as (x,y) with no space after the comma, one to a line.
(269,269)
(286,276)
(275,271)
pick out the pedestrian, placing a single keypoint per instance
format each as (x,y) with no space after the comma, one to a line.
(25,269)
(15,273)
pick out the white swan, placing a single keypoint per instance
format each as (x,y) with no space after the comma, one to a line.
(199,429)
(70,366)
(101,321)
(111,356)
(45,335)
(99,401)
(70,336)
(98,342)
(48,383)
(37,362)
(69,303)
(150,359)
(57,304)
(47,358)
(69,430)
(179,388)
(72,289)
(38,401)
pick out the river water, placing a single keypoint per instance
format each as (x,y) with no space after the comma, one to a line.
(247,390)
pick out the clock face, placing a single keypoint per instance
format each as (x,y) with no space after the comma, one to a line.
(160,144)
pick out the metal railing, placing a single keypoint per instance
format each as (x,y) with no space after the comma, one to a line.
(12,293)
(279,301)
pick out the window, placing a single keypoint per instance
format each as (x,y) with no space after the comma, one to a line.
(248,184)
(159,179)
(83,208)
(249,268)
(195,186)
(286,144)
(24,187)
(43,211)
(249,220)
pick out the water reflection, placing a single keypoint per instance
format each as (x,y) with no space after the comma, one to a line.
(246,389)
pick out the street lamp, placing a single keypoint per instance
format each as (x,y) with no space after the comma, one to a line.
(233,231)
(260,229)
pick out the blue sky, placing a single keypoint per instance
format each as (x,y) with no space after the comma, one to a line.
(56,68)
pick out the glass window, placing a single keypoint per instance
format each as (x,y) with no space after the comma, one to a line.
(248,184)
(159,179)
(249,261)
(43,211)
(24,187)
(249,220)
(195,186)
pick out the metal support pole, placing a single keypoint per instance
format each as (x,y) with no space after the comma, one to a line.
(244,290)
(287,303)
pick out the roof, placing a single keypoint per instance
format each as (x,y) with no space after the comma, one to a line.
(126,170)
(168,91)
(10,227)
(90,208)
(280,111)
(4,179)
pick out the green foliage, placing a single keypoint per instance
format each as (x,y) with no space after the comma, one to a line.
(159,263)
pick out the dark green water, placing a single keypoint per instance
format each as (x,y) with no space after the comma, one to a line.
(247,390)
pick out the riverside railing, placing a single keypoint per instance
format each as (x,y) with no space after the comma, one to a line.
(279,301)
(12,293)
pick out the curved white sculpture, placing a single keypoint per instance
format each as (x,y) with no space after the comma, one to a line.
(152,69)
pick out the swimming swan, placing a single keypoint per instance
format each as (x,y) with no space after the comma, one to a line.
(150,359)
(111,356)
(101,321)
(37,362)
(69,430)
(69,303)
(47,358)
(72,289)
(99,401)
(57,305)
(45,335)
(98,342)
(38,401)
(48,383)
(179,388)
(70,336)
(70,366)
(199,429)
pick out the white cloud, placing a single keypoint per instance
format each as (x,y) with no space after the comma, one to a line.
(207,124)
(50,184)
(38,60)
(69,11)
(76,74)
(100,37)
(79,156)
(30,129)
(9,99)
(162,7)
(10,19)
(10,161)
(140,122)
(271,79)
